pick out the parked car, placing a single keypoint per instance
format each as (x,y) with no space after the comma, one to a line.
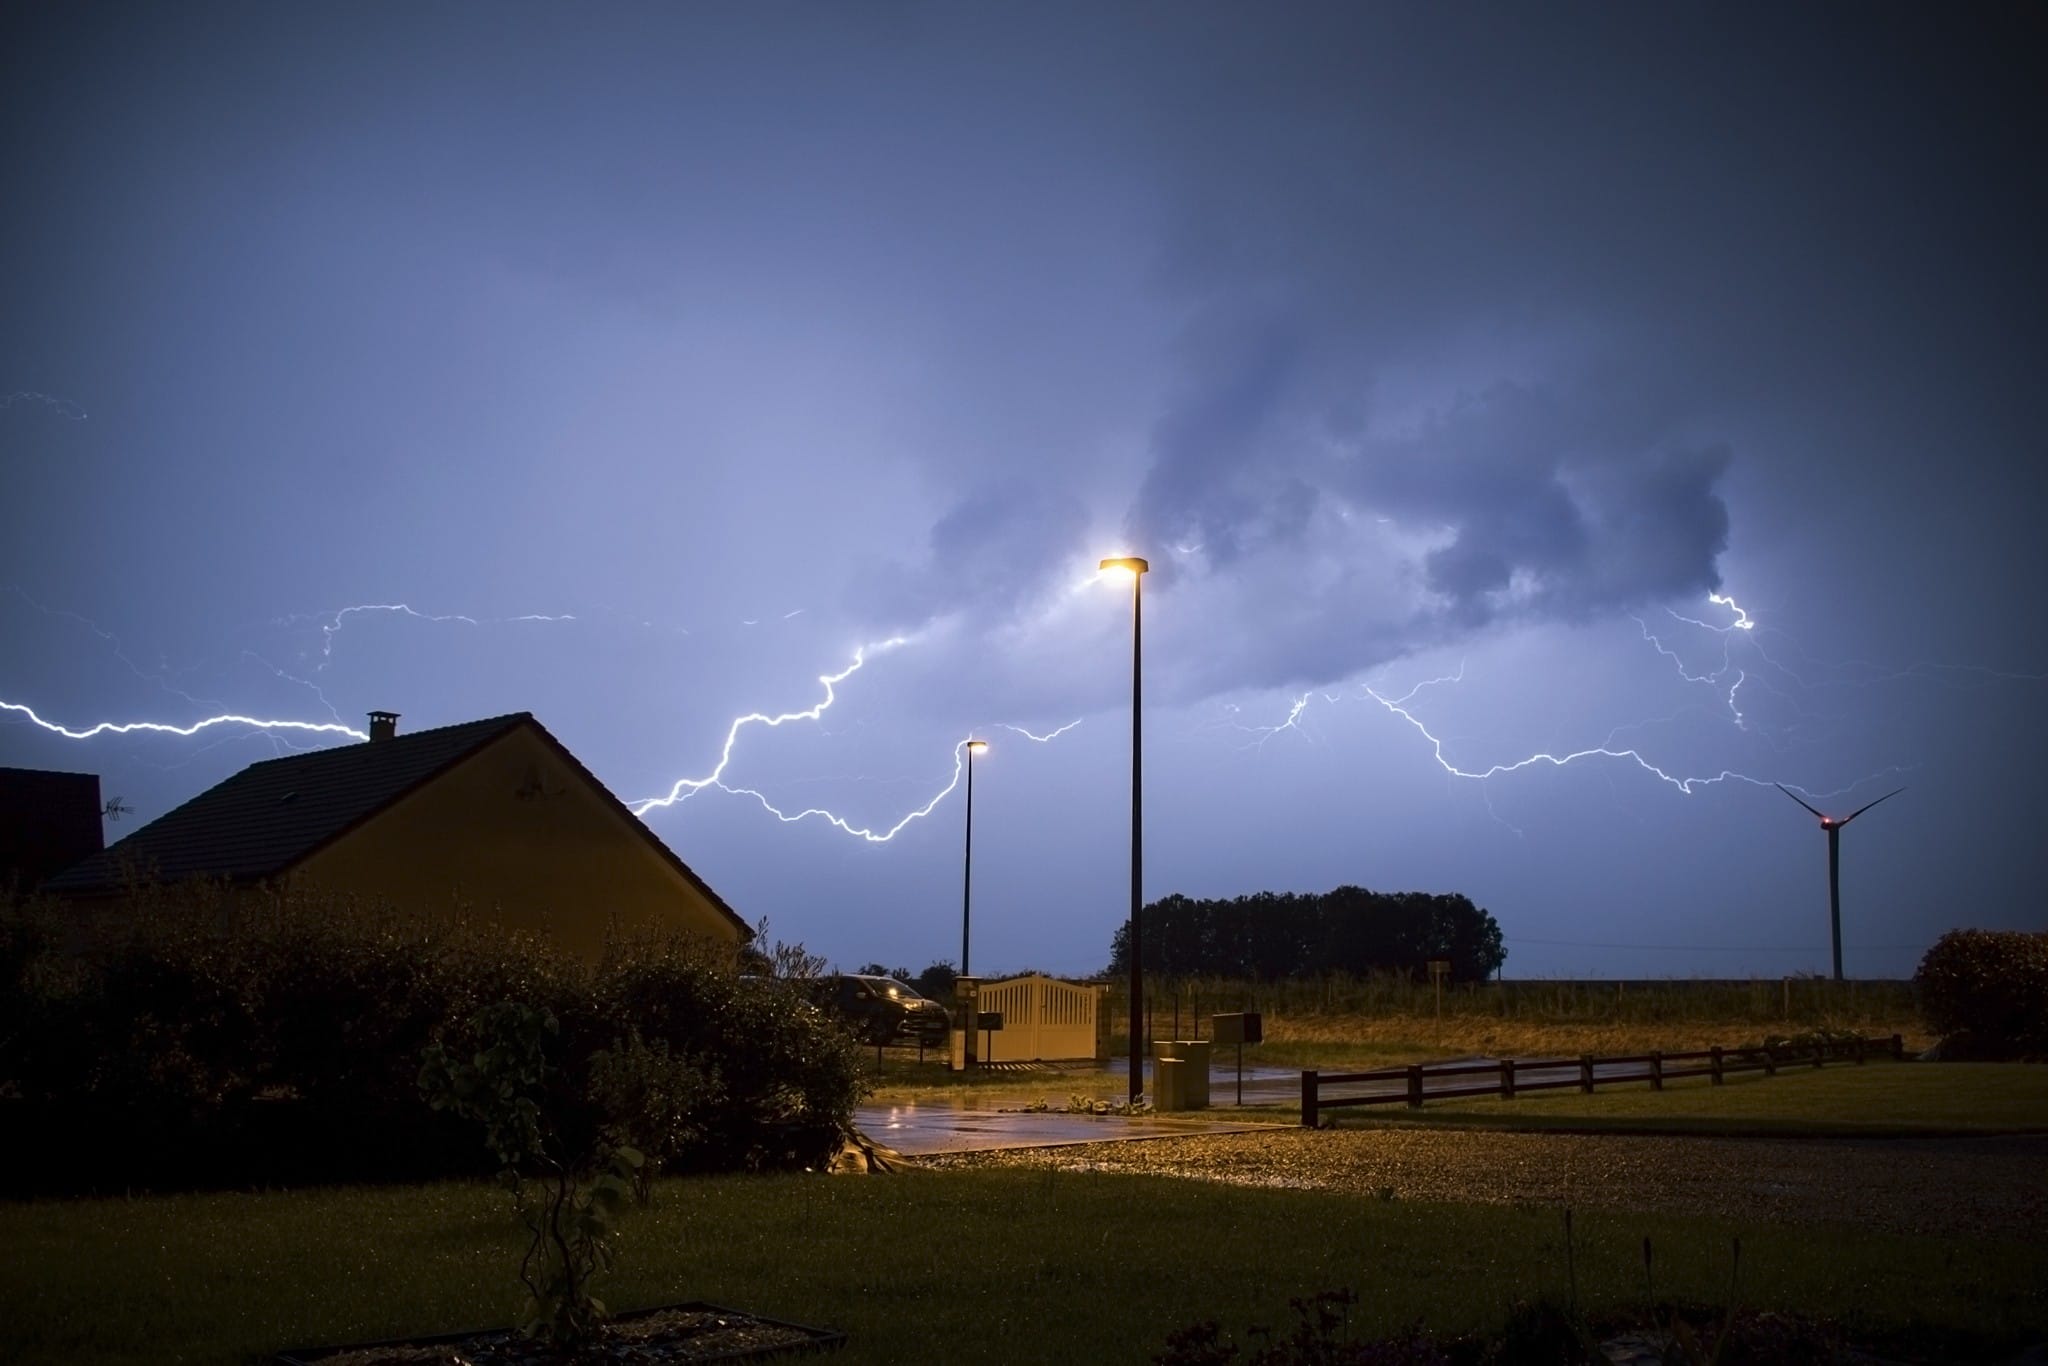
(882,1010)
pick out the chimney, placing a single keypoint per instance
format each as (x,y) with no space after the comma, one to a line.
(383,725)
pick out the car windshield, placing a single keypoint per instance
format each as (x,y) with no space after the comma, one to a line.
(893,989)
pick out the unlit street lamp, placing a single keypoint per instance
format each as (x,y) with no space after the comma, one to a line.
(1135,567)
(974,747)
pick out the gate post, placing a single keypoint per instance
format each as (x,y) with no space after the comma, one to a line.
(1507,1078)
(1415,1086)
(1715,1064)
(1656,1071)
(1309,1113)
(1586,1073)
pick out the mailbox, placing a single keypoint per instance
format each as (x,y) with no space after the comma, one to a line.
(988,1020)
(1226,1030)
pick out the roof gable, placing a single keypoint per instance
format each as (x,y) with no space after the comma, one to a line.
(271,815)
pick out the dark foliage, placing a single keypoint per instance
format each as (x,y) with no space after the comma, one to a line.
(936,981)
(261,1038)
(1277,935)
(1985,992)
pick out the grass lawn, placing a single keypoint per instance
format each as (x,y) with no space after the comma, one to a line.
(1878,1099)
(996,1266)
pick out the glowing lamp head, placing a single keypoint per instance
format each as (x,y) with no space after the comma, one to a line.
(1828,822)
(977,746)
(1125,564)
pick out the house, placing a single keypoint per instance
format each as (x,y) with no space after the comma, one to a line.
(48,821)
(493,814)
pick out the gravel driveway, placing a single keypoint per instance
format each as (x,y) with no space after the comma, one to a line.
(1985,1187)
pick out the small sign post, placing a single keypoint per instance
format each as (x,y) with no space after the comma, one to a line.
(1439,968)
(1240,1029)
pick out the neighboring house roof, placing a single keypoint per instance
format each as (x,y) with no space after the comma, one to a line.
(272,816)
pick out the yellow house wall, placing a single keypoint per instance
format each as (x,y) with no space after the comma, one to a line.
(515,831)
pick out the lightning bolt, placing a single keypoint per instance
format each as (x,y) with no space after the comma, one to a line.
(1046,738)
(1398,706)
(686,788)
(165,728)
(63,407)
(331,623)
(1727,678)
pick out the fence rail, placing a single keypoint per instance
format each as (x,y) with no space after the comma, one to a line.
(1509,1077)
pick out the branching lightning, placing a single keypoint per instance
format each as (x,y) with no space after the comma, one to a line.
(1726,677)
(1398,706)
(686,788)
(330,626)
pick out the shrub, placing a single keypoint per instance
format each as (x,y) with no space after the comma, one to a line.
(780,1080)
(1985,992)
(276,1037)
(561,1119)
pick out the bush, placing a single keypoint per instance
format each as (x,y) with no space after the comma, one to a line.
(1985,993)
(276,1038)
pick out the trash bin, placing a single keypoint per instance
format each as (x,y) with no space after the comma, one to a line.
(1195,1075)
(1168,1084)
(1193,1054)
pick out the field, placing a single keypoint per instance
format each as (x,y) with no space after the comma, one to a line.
(1345,1023)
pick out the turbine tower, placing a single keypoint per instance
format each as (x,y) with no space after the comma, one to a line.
(1834,829)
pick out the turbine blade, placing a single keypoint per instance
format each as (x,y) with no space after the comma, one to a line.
(1867,805)
(1788,792)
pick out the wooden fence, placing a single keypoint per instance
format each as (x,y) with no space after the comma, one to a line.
(1508,1077)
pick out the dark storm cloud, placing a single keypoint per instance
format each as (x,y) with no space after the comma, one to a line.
(1543,522)
(1465,283)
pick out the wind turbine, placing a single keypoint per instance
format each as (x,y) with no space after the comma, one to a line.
(1834,829)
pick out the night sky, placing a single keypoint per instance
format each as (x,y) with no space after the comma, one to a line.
(660,359)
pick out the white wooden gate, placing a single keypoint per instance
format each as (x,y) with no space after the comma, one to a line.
(1043,1019)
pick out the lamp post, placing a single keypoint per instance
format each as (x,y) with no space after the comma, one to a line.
(974,747)
(1136,568)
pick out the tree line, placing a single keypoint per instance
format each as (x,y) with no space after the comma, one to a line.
(1274,935)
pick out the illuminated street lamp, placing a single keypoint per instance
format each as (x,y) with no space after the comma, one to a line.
(1136,568)
(1834,829)
(974,747)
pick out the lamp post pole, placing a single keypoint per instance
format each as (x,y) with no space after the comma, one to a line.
(1136,568)
(974,747)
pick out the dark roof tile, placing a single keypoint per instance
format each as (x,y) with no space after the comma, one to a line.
(271,815)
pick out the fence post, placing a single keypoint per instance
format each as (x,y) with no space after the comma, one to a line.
(1507,1078)
(1415,1086)
(1859,1050)
(1308,1100)
(1898,1049)
(1586,1073)
(1770,1060)
(1716,1064)
(1656,1071)
(1820,1052)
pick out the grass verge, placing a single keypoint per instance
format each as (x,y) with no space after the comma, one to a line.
(1021,1266)
(1877,1100)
